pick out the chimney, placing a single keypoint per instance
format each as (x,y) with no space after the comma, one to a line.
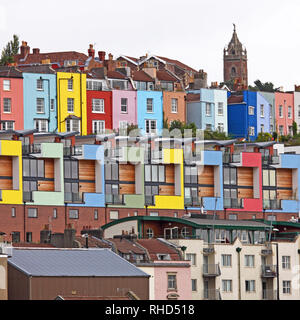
(36,51)
(25,50)
(45,235)
(110,57)
(69,237)
(101,55)
(91,51)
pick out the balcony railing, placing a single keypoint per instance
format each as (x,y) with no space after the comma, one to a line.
(27,196)
(193,201)
(270,160)
(268,271)
(272,204)
(266,252)
(149,200)
(211,270)
(192,156)
(208,250)
(72,151)
(31,148)
(231,203)
(231,158)
(269,294)
(73,197)
(113,199)
(212,294)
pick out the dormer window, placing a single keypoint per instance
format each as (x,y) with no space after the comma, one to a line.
(163,256)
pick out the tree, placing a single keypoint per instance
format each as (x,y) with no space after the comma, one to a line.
(264,137)
(11,49)
(265,87)
(294,128)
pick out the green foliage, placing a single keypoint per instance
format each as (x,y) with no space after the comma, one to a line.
(295,127)
(265,87)
(215,135)
(11,49)
(229,84)
(264,137)
(275,135)
(285,139)
(165,122)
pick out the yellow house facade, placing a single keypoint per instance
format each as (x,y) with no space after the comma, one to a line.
(71,102)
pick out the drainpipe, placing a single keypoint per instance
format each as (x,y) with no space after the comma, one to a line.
(66,215)
(24,216)
(81,102)
(238,250)
(277,270)
(49,100)
(59,103)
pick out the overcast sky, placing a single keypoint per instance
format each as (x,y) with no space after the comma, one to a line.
(192,31)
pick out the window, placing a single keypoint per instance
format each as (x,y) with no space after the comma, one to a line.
(290,130)
(262,128)
(33,168)
(6,85)
(298,111)
(40,105)
(150,126)
(72,125)
(208,109)
(28,236)
(174,105)
(94,85)
(184,232)
(98,126)
(32,212)
(123,125)
(271,111)
(280,112)
(73,214)
(70,84)
(262,111)
(221,127)
(54,213)
(286,262)
(172,283)
(251,111)
(13,212)
(7,105)
(41,125)
(233,70)
(271,218)
(15,236)
(249,261)
(252,131)
(155,173)
(230,176)
(70,102)
(194,284)
(286,287)
(8,125)
(149,233)
(165,85)
(232,217)
(227,285)
(250,285)
(52,105)
(289,112)
(208,127)
(95,214)
(98,105)
(39,84)
(114,215)
(191,257)
(226,260)
(149,105)
(124,102)
(220,108)
(281,130)
(153,214)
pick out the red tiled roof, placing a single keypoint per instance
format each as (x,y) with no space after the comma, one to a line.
(235,99)
(59,57)
(178,63)
(141,76)
(165,76)
(155,247)
(132,58)
(10,72)
(93,242)
(192,97)
(115,75)
(126,246)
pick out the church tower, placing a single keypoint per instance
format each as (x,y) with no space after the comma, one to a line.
(235,62)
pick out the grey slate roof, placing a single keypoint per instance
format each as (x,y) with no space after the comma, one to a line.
(73,263)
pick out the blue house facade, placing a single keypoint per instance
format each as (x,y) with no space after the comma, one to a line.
(150,111)
(40,101)
(263,114)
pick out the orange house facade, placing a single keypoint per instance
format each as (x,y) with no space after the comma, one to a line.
(174,106)
(284,103)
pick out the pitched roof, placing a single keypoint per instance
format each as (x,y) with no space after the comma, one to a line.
(96,73)
(93,242)
(192,97)
(73,263)
(235,99)
(54,57)
(126,246)
(141,76)
(177,63)
(115,75)
(154,247)
(37,69)
(10,72)
(163,75)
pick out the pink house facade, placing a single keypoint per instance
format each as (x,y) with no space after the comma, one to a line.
(11,96)
(124,108)
(284,116)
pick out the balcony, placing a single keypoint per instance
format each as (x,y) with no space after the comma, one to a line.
(270,160)
(193,202)
(212,294)
(273,204)
(211,270)
(149,200)
(208,250)
(72,197)
(269,294)
(230,203)
(31,148)
(231,158)
(114,199)
(192,156)
(27,196)
(73,151)
(268,271)
(266,252)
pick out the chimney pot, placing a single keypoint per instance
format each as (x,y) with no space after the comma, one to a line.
(101,55)
(36,51)
(91,51)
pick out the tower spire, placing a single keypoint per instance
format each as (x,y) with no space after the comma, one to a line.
(234,28)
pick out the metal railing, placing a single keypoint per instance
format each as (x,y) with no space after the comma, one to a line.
(209,250)
(231,203)
(231,158)
(269,294)
(73,151)
(266,252)
(270,160)
(73,197)
(211,270)
(193,201)
(31,148)
(269,271)
(272,204)
(114,199)
(212,294)
(149,200)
